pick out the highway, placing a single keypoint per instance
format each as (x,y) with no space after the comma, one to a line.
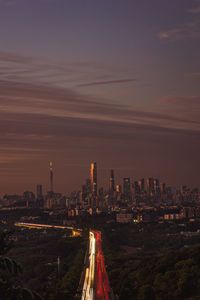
(88,286)
(45,226)
(96,284)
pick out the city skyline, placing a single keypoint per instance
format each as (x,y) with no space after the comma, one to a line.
(116,82)
(108,183)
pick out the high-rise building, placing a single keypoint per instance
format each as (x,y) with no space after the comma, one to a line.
(141,185)
(111,181)
(39,191)
(118,188)
(163,188)
(150,185)
(126,186)
(29,197)
(136,187)
(51,177)
(156,185)
(153,186)
(93,178)
(88,185)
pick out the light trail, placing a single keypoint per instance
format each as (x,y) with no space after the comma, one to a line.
(41,226)
(103,291)
(85,284)
(88,286)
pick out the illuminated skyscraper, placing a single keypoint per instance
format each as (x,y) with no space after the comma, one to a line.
(111,182)
(51,177)
(93,178)
(118,188)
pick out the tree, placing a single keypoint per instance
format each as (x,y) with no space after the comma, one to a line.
(10,289)
(146,292)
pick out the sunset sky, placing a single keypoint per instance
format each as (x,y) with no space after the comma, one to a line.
(111,81)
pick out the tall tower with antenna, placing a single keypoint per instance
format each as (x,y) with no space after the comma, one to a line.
(51,176)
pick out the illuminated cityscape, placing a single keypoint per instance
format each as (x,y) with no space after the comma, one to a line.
(143,202)
(99,150)
(136,198)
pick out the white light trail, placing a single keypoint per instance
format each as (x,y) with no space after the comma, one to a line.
(88,287)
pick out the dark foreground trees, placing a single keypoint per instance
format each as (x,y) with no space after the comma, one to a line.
(52,261)
(175,276)
(10,270)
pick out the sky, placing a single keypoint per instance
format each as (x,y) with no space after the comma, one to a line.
(111,81)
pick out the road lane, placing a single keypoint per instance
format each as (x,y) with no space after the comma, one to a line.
(88,287)
(103,291)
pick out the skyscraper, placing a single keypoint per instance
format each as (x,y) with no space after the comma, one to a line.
(153,186)
(51,177)
(163,188)
(136,187)
(111,182)
(141,185)
(127,186)
(118,188)
(156,185)
(93,178)
(40,199)
(39,191)
(150,186)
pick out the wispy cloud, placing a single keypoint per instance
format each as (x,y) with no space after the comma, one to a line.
(39,99)
(187,107)
(22,96)
(106,82)
(196,9)
(188,30)
(190,101)
(60,73)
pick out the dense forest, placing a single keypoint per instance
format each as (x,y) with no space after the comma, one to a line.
(152,262)
(175,275)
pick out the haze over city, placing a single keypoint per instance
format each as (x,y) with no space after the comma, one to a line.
(116,82)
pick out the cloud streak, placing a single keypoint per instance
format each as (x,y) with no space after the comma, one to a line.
(19,95)
(195,10)
(94,83)
(46,100)
(187,31)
